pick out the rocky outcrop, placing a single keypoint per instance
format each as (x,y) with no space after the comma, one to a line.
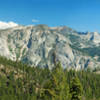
(43,46)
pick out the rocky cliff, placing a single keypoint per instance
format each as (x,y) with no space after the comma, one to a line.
(43,46)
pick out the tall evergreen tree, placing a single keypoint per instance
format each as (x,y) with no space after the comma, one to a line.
(56,88)
(76,89)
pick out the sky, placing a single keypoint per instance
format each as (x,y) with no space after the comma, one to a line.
(81,15)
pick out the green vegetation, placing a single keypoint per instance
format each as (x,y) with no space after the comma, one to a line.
(17,50)
(90,51)
(17,53)
(9,38)
(76,89)
(10,49)
(74,38)
(56,87)
(23,51)
(95,51)
(22,82)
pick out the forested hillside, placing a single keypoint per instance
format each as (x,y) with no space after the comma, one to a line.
(22,82)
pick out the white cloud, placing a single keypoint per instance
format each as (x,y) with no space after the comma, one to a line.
(5,25)
(35,20)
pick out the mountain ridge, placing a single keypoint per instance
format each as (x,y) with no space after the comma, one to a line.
(41,45)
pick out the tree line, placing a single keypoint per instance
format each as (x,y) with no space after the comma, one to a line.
(19,81)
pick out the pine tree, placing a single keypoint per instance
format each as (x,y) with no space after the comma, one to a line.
(76,89)
(56,88)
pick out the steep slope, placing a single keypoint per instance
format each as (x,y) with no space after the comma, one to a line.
(43,46)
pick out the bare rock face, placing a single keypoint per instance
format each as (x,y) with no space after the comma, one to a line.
(44,46)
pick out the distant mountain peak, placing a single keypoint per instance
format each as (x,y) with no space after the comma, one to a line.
(41,45)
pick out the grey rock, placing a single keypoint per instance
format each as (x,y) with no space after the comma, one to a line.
(42,46)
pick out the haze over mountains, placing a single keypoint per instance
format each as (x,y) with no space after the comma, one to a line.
(42,46)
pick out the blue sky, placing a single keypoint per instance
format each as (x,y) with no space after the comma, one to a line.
(82,15)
